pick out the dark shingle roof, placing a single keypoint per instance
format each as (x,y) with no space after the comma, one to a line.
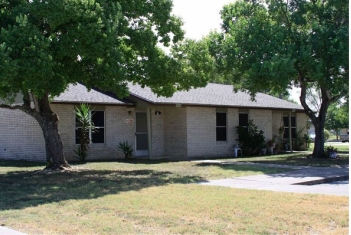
(79,94)
(214,95)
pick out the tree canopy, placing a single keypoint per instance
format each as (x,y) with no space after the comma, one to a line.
(273,45)
(337,117)
(46,45)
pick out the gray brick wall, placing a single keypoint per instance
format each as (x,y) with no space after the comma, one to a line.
(178,132)
(202,132)
(158,137)
(175,136)
(20,137)
(263,119)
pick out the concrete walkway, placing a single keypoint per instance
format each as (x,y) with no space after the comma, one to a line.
(304,179)
(8,231)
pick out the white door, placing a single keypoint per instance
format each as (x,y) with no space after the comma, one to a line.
(141,140)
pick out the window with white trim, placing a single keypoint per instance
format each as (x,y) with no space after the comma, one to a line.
(98,134)
(286,127)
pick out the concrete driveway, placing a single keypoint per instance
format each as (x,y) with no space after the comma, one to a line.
(315,180)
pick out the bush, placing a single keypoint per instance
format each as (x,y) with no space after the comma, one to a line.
(330,151)
(84,124)
(251,139)
(326,135)
(126,148)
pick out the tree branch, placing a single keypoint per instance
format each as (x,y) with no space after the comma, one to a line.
(6,106)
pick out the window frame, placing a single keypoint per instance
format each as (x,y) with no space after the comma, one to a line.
(286,128)
(99,128)
(219,135)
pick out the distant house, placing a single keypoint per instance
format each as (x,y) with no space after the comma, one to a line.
(196,123)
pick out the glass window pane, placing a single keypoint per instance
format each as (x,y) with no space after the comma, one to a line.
(78,131)
(286,133)
(293,121)
(221,133)
(98,136)
(221,119)
(98,118)
(286,121)
(243,119)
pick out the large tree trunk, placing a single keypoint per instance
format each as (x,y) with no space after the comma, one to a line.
(48,122)
(53,144)
(317,117)
(318,150)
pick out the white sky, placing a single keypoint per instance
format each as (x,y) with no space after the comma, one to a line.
(202,16)
(199,16)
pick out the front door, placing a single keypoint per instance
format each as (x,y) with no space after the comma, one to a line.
(141,135)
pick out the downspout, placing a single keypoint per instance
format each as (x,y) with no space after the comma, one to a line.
(149,140)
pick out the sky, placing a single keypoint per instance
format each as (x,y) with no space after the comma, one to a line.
(202,16)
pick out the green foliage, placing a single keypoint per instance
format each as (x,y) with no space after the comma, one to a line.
(301,140)
(126,148)
(273,45)
(46,45)
(85,125)
(337,116)
(330,151)
(251,139)
(326,135)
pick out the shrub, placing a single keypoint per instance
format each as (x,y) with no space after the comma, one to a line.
(330,151)
(85,124)
(251,139)
(326,135)
(126,148)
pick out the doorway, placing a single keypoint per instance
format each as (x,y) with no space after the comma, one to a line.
(141,135)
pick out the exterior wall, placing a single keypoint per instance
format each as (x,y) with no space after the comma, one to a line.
(263,119)
(157,134)
(66,126)
(201,132)
(117,129)
(21,137)
(175,132)
(301,120)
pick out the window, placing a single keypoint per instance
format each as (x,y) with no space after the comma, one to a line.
(97,136)
(244,120)
(221,126)
(286,127)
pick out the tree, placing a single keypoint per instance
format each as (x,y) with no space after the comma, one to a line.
(46,45)
(337,117)
(276,44)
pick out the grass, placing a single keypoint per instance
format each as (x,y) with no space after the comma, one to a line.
(158,197)
(342,147)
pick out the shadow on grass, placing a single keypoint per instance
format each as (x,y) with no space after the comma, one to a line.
(25,189)
(16,163)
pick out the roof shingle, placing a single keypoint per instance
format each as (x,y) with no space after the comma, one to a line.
(79,94)
(214,95)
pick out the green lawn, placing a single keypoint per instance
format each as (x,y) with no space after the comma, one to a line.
(159,197)
(343,148)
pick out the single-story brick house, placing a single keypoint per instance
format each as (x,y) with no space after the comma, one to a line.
(194,123)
